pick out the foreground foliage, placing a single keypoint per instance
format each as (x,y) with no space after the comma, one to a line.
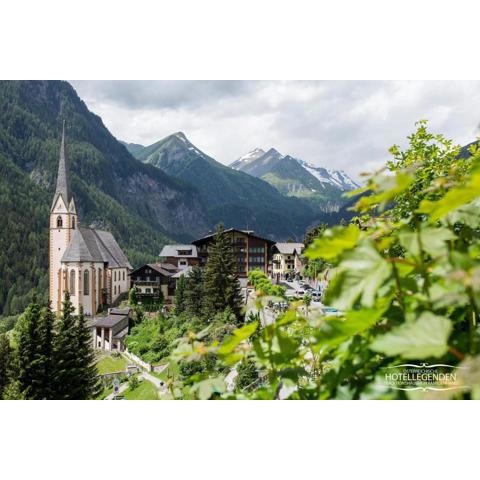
(406,278)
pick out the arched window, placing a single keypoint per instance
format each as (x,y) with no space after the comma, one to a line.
(115,275)
(73,222)
(72,282)
(99,279)
(86,283)
(124,275)
(59,222)
(115,290)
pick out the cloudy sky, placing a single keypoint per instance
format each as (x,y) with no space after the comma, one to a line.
(337,124)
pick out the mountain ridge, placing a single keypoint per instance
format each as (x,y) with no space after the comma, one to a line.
(234,197)
(294,177)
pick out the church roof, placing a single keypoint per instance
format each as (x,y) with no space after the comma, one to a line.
(63,181)
(90,245)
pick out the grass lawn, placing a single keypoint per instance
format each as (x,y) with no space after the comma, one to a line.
(145,391)
(109,363)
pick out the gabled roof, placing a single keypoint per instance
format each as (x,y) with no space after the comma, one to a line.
(172,251)
(119,260)
(289,248)
(165,269)
(230,230)
(89,245)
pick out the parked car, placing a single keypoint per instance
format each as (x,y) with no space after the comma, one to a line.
(316,295)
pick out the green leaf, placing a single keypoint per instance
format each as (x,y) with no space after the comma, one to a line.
(334,242)
(433,241)
(362,273)
(238,335)
(206,388)
(336,330)
(453,199)
(424,338)
(386,188)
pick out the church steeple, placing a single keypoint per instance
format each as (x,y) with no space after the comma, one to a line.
(63,180)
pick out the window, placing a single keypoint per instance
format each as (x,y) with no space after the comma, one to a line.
(124,275)
(72,282)
(59,222)
(86,283)
(99,279)
(115,275)
(73,222)
(148,290)
(115,290)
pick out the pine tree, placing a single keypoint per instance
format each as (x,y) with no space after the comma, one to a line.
(194,292)
(29,365)
(65,353)
(45,388)
(221,285)
(5,363)
(180,295)
(85,382)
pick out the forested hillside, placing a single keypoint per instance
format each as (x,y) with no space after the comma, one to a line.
(235,198)
(141,205)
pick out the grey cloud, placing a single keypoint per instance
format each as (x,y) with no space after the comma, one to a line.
(135,95)
(337,124)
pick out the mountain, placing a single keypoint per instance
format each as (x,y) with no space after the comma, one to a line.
(249,157)
(141,205)
(322,188)
(133,148)
(337,178)
(232,197)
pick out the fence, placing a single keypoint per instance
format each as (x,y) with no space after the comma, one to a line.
(138,361)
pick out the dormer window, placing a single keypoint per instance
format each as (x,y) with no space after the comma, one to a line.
(59,222)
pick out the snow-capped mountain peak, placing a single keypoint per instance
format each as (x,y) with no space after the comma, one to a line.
(337,178)
(249,157)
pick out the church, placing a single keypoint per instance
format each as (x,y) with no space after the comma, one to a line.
(86,262)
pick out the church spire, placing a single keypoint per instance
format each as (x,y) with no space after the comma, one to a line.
(63,181)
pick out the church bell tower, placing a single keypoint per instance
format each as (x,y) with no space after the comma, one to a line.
(63,220)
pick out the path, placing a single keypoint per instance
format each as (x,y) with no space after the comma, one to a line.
(143,375)
(121,389)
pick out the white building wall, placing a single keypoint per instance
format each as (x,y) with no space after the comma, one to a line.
(119,281)
(77,294)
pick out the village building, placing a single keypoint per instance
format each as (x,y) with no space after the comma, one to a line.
(287,258)
(86,262)
(182,256)
(154,281)
(109,331)
(251,251)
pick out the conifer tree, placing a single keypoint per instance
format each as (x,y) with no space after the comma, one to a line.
(194,292)
(180,295)
(45,387)
(85,381)
(65,353)
(29,367)
(5,363)
(221,285)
